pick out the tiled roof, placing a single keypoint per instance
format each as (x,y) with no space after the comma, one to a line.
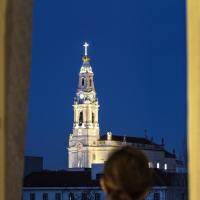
(169,155)
(83,179)
(171,179)
(140,140)
(60,179)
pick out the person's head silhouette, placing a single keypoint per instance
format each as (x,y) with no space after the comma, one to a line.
(127,175)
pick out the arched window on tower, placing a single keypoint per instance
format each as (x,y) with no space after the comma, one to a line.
(90,82)
(82,81)
(80,118)
(93,118)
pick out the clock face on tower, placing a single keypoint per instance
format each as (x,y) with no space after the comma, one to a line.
(81,95)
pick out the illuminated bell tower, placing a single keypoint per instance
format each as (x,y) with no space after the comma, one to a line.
(83,140)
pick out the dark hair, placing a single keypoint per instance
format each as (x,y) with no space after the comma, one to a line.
(127,175)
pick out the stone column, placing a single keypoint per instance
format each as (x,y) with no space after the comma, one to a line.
(193,42)
(96,114)
(89,114)
(15,46)
(3,5)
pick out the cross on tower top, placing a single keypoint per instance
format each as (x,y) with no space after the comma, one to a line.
(86,45)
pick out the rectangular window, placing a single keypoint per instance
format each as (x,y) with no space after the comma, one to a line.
(32,196)
(71,196)
(45,196)
(150,165)
(57,196)
(158,165)
(84,196)
(182,196)
(165,166)
(156,196)
(97,196)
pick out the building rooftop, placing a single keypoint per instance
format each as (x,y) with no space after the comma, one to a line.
(60,179)
(83,179)
(140,142)
(120,138)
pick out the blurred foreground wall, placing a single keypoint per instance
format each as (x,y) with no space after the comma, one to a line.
(15,46)
(193,31)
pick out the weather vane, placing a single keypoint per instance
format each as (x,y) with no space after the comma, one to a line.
(86,45)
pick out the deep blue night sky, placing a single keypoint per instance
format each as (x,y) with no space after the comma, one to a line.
(138,56)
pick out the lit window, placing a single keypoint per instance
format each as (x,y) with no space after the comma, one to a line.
(165,166)
(150,165)
(158,165)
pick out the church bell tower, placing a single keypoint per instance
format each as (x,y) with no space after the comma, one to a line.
(85,134)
